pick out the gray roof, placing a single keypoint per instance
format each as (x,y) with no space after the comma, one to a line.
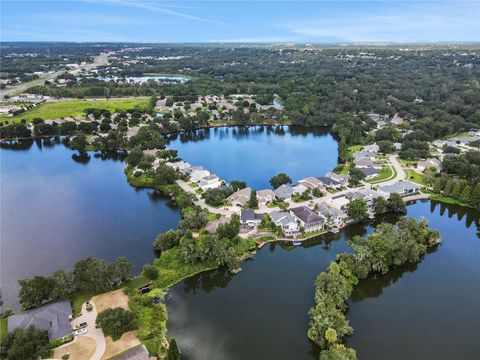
(327,210)
(53,318)
(281,216)
(138,352)
(328,181)
(399,187)
(368,171)
(306,215)
(284,192)
(249,215)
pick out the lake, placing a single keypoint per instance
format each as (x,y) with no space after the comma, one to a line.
(428,311)
(55,211)
(255,154)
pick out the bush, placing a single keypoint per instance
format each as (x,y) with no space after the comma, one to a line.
(150,272)
(115,322)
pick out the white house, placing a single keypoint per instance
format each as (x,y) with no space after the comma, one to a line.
(311,183)
(333,217)
(308,219)
(283,192)
(265,196)
(197,175)
(181,166)
(340,178)
(241,197)
(430,163)
(299,189)
(250,219)
(286,221)
(210,182)
(402,188)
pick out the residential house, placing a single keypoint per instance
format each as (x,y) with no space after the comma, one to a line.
(286,221)
(210,182)
(138,352)
(340,178)
(195,168)
(284,192)
(250,219)
(369,172)
(299,189)
(371,149)
(180,166)
(339,202)
(333,217)
(397,146)
(363,155)
(369,197)
(241,197)
(197,175)
(329,182)
(53,318)
(308,219)
(311,183)
(430,163)
(265,196)
(212,226)
(402,188)
(365,163)
(397,120)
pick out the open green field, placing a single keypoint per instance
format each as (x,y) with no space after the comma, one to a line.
(75,107)
(414,176)
(384,174)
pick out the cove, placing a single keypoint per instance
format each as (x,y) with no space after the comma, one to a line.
(55,211)
(255,154)
(427,311)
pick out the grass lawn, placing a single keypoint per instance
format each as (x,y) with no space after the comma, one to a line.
(78,298)
(384,174)
(61,109)
(447,200)
(3,328)
(414,176)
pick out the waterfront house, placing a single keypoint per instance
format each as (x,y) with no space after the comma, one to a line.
(265,196)
(339,202)
(286,221)
(311,183)
(299,189)
(241,197)
(333,217)
(197,175)
(210,182)
(340,178)
(195,168)
(430,163)
(180,166)
(284,192)
(250,219)
(369,172)
(212,226)
(402,188)
(329,182)
(53,318)
(308,219)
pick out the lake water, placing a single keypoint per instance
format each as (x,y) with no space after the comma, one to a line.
(255,154)
(55,211)
(429,311)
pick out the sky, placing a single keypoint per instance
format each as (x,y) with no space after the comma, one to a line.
(240,21)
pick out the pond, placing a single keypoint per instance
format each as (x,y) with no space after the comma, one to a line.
(55,211)
(429,311)
(255,154)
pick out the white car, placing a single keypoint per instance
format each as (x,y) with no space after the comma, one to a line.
(81,331)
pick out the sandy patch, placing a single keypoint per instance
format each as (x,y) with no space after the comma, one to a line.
(82,349)
(110,300)
(127,341)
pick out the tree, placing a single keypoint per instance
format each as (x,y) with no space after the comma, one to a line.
(357,210)
(90,274)
(475,198)
(253,202)
(457,188)
(165,241)
(338,352)
(356,175)
(437,185)
(34,292)
(380,205)
(238,185)
(115,322)
(173,353)
(396,204)
(466,193)
(150,272)
(279,180)
(342,151)
(331,336)
(447,190)
(120,271)
(63,284)
(79,142)
(28,344)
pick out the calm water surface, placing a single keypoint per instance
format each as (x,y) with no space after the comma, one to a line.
(255,154)
(429,311)
(55,211)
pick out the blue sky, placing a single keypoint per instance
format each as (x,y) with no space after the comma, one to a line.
(240,21)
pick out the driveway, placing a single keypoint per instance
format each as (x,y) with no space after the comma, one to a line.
(96,334)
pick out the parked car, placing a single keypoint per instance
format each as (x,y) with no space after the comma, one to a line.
(80,326)
(81,331)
